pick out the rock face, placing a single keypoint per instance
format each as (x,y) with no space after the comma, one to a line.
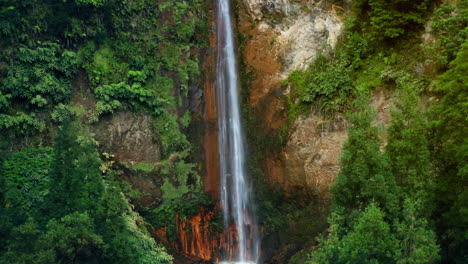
(312,152)
(311,156)
(283,36)
(128,136)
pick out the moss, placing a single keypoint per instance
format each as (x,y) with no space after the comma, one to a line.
(142,166)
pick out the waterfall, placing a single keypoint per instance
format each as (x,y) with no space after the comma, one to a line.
(235,191)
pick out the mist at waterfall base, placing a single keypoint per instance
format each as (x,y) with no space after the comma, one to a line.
(240,228)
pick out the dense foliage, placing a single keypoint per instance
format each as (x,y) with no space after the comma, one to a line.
(66,211)
(332,79)
(83,60)
(450,27)
(376,219)
(400,195)
(136,55)
(391,18)
(451,155)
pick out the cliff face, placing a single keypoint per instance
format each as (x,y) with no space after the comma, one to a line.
(283,36)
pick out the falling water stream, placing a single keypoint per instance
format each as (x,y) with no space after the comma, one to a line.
(238,210)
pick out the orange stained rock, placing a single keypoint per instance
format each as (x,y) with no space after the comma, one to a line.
(261,57)
(209,140)
(194,236)
(161,233)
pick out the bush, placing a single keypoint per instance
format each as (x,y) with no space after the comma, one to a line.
(27,178)
(20,124)
(40,76)
(325,82)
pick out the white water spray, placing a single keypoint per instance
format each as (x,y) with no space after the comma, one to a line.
(235,191)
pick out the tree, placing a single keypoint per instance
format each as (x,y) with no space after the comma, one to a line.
(75,179)
(408,148)
(365,173)
(329,247)
(123,231)
(86,217)
(449,26)
(27,179)
(27,246)
(450,151)
(417,243)
(369,241)
(450,114)
(74,238)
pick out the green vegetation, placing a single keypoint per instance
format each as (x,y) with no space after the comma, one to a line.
(182,172)
(137,56)
(373,221)
(388,19)
(335,78)
(449,26)
(38,78)
(365,173)
(400,194)
(329,83)
(66,211)
(26,177)
(450,154)
(82,61)
(408,149)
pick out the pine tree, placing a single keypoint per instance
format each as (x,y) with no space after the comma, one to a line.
(451,156)
(27,246)
(123,231)
(365,173)
(74,238)
(369,240)
(75,181)
(417,242)
(408,149)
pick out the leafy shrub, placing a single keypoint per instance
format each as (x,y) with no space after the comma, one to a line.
(354,49)
(103,66)
(27,177)
(330,84)
(62,112)
(41,76)
(19,124)
(182,172)
(134,91)
(172,139)
(103,108)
